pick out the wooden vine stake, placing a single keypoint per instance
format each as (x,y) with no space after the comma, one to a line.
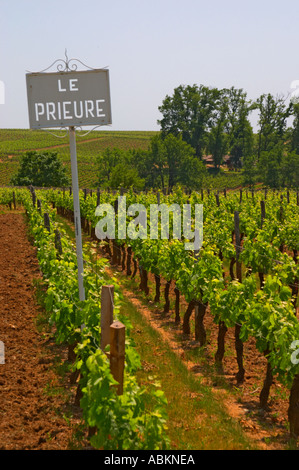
(199,314)
(117,353)
(263,213)
(107,296)
(47,221)
(238,341)
(58,244)
(293,410)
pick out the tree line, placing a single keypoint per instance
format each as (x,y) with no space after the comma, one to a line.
(217,122)
(198,121)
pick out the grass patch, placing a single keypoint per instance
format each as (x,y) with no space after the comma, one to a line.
(197,420)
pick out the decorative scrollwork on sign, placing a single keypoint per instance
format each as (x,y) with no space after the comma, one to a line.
(67,65)
(87,132)
(65,129)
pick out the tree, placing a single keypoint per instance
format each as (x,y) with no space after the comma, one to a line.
(239,129)
(218,138)
(106,162)
(270,166)
(188,113)
(294,137)
(155,162)
(117,169)
(273,114)
(125,176)
(250,170)
(175,162)
(290,170)
(42,169)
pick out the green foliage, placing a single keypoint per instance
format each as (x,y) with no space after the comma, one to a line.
(40,169)
(295,129)
(180,164)
(279,168)
(240,133)
(218,142)
(121,422)
(188,113)
(250,173)
(167,162)
(210,120)
(273,114)
(265,314)
(117,169)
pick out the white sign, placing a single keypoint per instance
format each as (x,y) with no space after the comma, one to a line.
(65,99)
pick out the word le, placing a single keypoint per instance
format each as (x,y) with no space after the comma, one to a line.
(69,109)
(157,459)
(138,227)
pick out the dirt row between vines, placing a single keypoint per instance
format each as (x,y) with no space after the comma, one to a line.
(36,406)
(268,428)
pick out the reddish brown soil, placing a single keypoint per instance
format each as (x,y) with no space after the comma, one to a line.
(35,398)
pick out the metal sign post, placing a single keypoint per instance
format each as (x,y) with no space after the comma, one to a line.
(69,98)
(77,214)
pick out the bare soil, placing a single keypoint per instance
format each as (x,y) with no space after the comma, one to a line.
(36,406)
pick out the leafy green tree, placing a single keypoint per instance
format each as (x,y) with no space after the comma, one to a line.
(40,169)
(218,137)
(273,114)
(176,162)
(269,166)
(106,161)
(289,169)
(239,129)
(251,171)
(117,169)
(294,131)
(188,113)
(155,161)
(125,176)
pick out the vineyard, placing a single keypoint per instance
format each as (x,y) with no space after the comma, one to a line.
(15,142)
(244,280)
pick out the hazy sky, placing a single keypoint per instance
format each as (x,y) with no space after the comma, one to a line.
(150,47)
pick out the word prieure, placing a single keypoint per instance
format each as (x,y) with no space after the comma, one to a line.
(69,109)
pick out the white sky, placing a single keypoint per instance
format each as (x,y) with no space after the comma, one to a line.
(150,47)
